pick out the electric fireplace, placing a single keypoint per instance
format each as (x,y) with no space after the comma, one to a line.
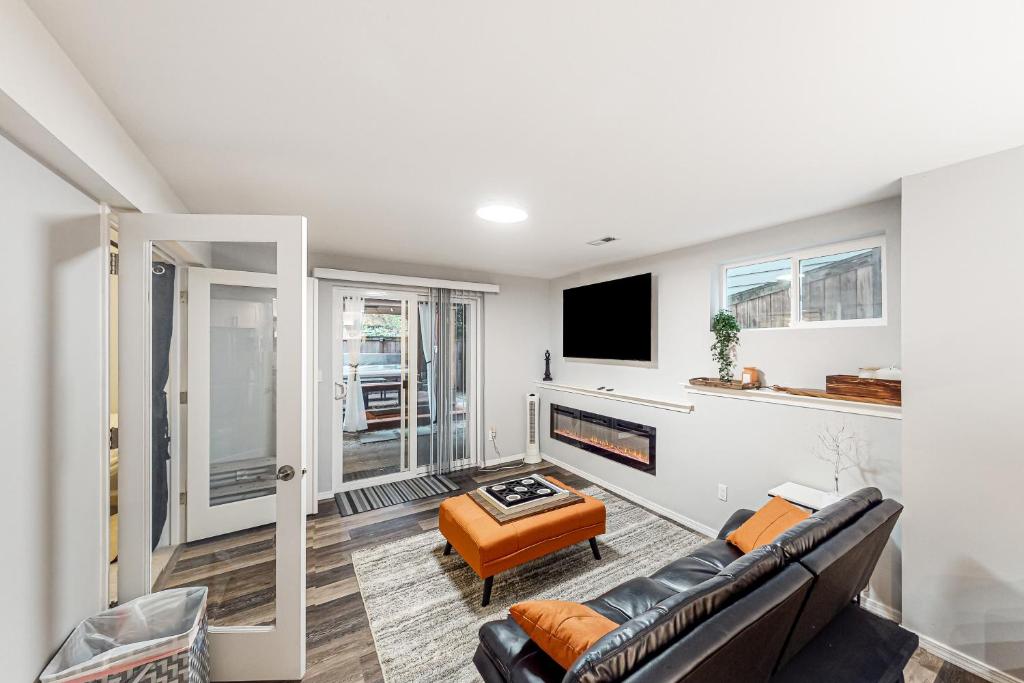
(629,443)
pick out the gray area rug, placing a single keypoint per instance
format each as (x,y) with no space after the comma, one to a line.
(424,608)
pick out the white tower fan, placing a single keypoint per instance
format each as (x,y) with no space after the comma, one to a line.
(532,456)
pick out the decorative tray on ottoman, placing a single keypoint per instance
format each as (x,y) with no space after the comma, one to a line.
(521,497)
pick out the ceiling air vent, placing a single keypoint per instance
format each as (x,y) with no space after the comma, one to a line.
(602,241)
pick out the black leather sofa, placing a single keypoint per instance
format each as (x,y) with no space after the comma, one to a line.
(784,611)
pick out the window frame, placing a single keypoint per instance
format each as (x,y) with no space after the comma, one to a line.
(795,323)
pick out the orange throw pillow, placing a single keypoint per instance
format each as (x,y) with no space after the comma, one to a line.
(766,524)
(564,630)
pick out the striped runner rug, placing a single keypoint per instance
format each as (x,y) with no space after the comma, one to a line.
(385,495)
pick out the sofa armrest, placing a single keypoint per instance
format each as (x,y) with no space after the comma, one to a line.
(734,522)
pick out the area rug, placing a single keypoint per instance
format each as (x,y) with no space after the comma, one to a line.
(385,495)
(424,608)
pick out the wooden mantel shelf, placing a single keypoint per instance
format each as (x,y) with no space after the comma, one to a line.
(653,402)
(812,402)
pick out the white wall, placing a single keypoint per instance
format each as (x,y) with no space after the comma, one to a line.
(515,335)
(51,499)
(963,462)
(748,446)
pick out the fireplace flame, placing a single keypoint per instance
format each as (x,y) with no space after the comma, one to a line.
(630,453)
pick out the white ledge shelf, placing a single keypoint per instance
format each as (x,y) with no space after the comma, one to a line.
(653,402)
(812,402)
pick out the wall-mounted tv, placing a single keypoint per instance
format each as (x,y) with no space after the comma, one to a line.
(610,321)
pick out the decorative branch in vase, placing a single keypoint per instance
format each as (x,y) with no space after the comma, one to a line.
(839,447)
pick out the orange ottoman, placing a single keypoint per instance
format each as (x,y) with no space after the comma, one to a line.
(490,548)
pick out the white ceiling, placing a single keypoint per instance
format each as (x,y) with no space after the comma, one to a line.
(664,123)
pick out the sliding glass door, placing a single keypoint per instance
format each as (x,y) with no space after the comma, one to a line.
(392,416)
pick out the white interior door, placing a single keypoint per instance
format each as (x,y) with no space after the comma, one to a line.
(249,276)
(232,463)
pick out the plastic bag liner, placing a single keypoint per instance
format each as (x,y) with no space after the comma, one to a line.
(130,636)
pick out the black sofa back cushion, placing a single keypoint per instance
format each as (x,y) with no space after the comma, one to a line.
(625,649)
(742,642)
(808,534)
(842,567)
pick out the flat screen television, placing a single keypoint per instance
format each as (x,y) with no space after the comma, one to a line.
(610,320)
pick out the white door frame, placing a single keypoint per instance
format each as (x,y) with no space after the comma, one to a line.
(239,653)
(205,520)
(408,408)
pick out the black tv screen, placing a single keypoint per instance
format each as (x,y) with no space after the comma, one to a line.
(608,320)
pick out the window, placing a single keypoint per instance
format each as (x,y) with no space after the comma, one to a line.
(840,284)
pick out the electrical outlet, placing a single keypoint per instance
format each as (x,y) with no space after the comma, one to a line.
(493,432)
(723,492)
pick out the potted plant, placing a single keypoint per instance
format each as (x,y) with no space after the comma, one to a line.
(727,337)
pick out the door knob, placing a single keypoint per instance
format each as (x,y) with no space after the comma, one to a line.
(285,472)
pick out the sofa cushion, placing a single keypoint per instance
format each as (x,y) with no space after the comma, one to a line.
(630,598)
(509,652)
(805,536)
(765,525)
(564,630)
(697,567)
(626,648)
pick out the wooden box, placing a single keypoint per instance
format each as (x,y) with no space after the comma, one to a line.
(887,391)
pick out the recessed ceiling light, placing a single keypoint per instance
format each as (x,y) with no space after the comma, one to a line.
(502,213)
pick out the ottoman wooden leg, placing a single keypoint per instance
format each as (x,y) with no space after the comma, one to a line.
(593,547)
(447,549)
(488,584)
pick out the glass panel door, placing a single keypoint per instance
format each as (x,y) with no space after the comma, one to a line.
(240,386)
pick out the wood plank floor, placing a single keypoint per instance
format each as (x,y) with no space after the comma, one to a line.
(238,569)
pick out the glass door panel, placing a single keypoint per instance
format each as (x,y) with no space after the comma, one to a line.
(243,373)
(373,355)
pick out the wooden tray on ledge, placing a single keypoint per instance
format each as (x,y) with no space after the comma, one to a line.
(715,382)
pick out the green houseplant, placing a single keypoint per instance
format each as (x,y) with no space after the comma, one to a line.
(727,337)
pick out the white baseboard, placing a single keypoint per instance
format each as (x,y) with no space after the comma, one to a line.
(880,609)
(502,460)
(966,662)
(639,500)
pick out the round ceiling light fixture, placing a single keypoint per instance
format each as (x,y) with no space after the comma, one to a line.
(502,213)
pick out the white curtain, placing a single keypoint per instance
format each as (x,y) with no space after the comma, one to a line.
(352,334)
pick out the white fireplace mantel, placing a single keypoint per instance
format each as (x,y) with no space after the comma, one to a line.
(650,401)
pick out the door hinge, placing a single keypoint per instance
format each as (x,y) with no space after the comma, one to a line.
(114,263)
(183,498)
(183,397)
(113,438)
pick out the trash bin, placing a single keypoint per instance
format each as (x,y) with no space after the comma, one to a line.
(158,638)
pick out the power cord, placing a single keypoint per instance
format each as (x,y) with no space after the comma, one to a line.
(493,438)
